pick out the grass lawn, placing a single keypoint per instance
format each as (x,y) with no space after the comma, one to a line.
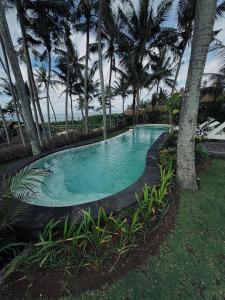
(192,261)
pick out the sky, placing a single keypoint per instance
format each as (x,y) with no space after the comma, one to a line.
(80,41)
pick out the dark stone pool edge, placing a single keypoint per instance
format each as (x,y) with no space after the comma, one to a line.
(36,217)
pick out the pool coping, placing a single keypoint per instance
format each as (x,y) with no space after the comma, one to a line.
(36,217)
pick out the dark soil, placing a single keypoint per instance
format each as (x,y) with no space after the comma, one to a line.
(54,285)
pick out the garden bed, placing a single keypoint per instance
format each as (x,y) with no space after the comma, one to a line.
(48,284)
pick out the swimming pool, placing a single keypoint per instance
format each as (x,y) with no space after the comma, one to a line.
(93,172)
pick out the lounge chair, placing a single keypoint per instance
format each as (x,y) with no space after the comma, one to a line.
(218,133)
(205,128)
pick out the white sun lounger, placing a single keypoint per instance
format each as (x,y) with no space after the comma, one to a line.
(206,123)
(211,129)
(217,133)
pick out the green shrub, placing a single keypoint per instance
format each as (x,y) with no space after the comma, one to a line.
(169,149)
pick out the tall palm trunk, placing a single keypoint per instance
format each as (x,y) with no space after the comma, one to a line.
(53,111)
(134,104)
(110,103)
(5,126)
(86,77)
(34,110)
(20,109)
(123,109)
(71,107)
(47,93)
(138,106)
(100,10)
(204,21)
(177,71)
(7,71)
(123,105)
(67,94)
(7,40)
(30,73)
(18,120)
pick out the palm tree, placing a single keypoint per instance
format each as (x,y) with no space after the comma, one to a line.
(140,34)
(100,14)
(70,73)
(45,21)
(10,89)
(7,40)
(110,32)
(203,28)
(43,81)
(186,16)
(85,13)
(92,89)
(33,89)
(162,68)
(121,88)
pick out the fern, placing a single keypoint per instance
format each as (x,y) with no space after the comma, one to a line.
(16,191)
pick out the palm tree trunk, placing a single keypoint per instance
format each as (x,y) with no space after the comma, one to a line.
(134,104)
(123,109)
(67,94)
(18,121)
(53,111)
(30,69)
(47,93)
(82,113)
(138,105)
(5,126)
(123,105)
(100,11)
(157,89)
(71,107)
(34,109)
(204,21)
(20,109)
(7,70)
(7,40)
(177,71)
(110,104)
(86,78)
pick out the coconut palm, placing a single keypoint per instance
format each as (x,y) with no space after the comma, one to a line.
(110,32)
(69,75)
(163,68)
(100,63)
(185,26)
(140,34)
(45,22)
(9,89)
(87,21)
(204,21)
(6,37)
(121,88)
(42,80)
(23,20)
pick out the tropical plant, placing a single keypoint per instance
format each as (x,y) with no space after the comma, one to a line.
(186,18)
(6,37)
(140,34)
(87,22)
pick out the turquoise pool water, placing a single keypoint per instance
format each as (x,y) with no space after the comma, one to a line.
(93,172)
